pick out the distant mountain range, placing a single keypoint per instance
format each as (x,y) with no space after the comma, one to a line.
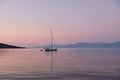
(88,45)
(2,45)
(74,45)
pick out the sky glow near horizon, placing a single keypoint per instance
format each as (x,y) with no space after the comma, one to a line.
(28,22)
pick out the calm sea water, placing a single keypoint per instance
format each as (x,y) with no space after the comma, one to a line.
(66,64)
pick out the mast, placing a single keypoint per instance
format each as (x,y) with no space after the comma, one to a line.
(51,39)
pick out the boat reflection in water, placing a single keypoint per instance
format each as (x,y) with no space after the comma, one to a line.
(52,56)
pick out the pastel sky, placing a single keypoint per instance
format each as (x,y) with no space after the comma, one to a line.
(28,22)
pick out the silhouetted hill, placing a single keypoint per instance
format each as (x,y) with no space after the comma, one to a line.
(9,46)
(90,45)
(94,45)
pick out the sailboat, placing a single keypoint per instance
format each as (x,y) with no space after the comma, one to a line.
(51,48)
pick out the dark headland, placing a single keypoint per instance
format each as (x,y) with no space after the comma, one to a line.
(2,45)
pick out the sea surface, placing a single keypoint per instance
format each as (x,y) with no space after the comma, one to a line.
(65,64)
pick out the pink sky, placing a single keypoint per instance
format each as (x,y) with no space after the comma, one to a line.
(28,22)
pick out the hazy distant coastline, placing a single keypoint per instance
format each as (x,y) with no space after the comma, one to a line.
(73,45)
(2,45)
(87,45)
